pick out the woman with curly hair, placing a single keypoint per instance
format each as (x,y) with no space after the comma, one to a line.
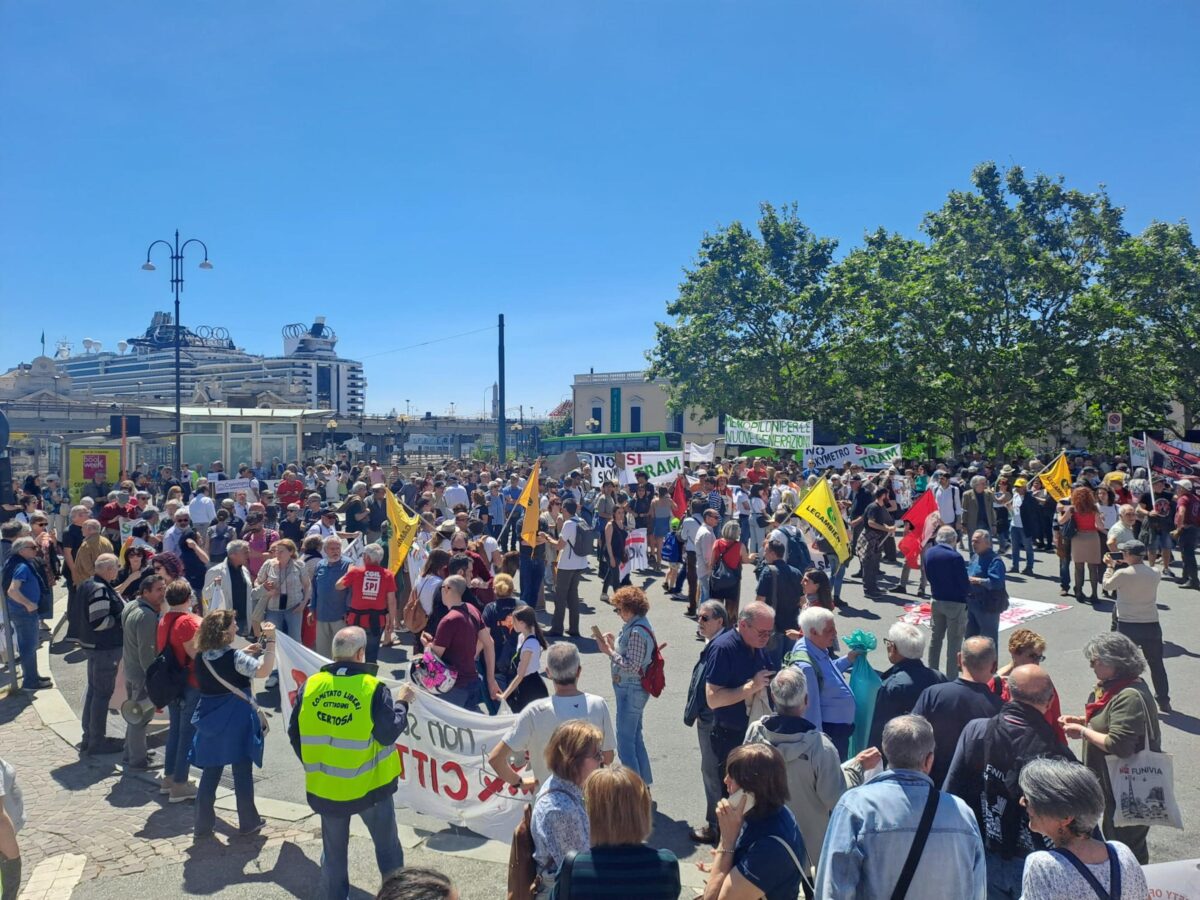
(1086,541)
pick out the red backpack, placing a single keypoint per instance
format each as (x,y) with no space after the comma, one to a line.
(654,678)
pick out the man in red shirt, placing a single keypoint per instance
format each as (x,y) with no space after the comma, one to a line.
(372,598)
(461,636)
(290,490)
(178,629)
(1187,524)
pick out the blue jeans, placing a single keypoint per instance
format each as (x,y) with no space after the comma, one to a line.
(25,630)
(533,570)
(180,735)
(1004,876)
(468,697)
(380,820)
(243,789)
(837,574)
(289,622)
(987,624)
(631,744)
(1020,539)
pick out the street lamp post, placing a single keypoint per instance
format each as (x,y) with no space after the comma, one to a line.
(177,288)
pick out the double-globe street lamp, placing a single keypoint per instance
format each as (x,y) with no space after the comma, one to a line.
(177,288)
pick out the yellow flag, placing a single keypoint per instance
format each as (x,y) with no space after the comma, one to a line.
(1056,478)
(529,502)
(402,531)
(819,508)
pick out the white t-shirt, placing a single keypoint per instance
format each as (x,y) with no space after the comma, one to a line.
(529,644)
(687,531)
(536,723)
(10,795)
(490,546)
(566,557)
(427,591)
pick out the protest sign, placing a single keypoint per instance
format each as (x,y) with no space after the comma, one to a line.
(635,553)
(352,551)
(233,485)
(779,434)
(660,468)
(1018,613)
(604,466)
(700,452)
(1179,880)
(823,456)
(84,464)
(1164,458)
(443,751)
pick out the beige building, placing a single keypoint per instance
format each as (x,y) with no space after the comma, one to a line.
(610,402)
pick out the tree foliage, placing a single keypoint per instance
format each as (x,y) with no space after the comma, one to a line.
(1018,312)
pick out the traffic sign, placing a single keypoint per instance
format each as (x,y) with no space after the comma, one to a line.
(1113,423)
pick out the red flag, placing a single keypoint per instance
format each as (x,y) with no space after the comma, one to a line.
(910,544)
(679,499)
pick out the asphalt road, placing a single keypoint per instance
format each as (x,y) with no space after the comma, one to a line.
(672,746)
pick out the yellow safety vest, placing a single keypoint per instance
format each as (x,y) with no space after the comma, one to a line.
(342,761)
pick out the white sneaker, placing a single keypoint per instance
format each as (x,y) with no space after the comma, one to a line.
(272,680)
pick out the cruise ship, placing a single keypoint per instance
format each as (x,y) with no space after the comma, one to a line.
(213,369)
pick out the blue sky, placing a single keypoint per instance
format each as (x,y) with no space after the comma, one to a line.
(411,169)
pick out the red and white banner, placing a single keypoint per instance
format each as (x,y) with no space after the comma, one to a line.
(443,749)
(1166,459)
(1018,613)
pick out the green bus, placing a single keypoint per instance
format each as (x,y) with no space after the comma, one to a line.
(612,443)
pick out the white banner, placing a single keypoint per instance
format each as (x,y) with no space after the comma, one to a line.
(636,558)
(232,485)
(604,466)
(443,750)
(1174,880)
(660,467)
(700,452)
(825,455)
(779,434)
(353,550)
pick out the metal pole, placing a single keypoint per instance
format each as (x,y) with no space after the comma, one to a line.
(177,286)
(501,442)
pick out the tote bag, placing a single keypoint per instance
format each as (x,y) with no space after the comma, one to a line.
(1143,786)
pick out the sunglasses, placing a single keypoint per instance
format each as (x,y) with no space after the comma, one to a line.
(705,618)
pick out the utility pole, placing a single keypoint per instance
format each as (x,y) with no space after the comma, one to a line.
(501,444)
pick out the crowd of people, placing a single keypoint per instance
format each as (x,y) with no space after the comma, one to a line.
(968,785)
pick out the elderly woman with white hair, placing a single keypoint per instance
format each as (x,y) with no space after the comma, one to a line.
(905,680)
(816,775)
(1065,801)
(1120,718)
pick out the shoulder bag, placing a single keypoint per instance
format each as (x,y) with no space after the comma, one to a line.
(918,845)
(263,718)
(1114,872)
(1143,785)
(808,887)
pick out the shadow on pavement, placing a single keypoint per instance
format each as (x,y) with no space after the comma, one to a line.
(83,773)
(1171,650)
(294,872)
(13,705)
(1182,722)
(851,612)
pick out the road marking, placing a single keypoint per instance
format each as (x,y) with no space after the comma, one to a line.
(55,877)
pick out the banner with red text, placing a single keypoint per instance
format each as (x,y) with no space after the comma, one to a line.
(443,750)
(1018,613)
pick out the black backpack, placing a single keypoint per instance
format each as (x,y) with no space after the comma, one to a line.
(166,679)
(797,555)
(585,540)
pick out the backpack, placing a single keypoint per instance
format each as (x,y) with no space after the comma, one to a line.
(797,555)
(792,657)
(522,869)
(414,616)
(166,679)
(654,678)
(584,541)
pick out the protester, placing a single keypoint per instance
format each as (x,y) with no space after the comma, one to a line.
(760,851)
(373,599)
(984,770)
(530,734)
(873,828)
(630,654)
(736,672)
(1135,613)
(461,636)
(1119,717)
(139,629)
(618,863)
(415,883)
(559,823)
(905,681)
(949,586)
(12,820)
(781,587)
(1187,525)
(281,590)
(24,588)
(949,706)
(177,630)
(104,642)
(527,684)
(1086,544)
(730,552)
(343,728)
(1064,803)
(988,596)
(571,567)
(711,620)
(816,776)
(329,602)
(831,706)
(1023,525)
(877,528)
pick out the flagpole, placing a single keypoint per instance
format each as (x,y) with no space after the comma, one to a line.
(1149,468)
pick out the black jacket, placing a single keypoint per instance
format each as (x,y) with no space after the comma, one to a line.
(696,706)
(902,686)
(102,608)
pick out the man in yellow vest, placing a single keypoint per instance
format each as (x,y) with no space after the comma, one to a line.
(344,728)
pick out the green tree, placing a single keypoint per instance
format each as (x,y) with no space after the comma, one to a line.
(751,321)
